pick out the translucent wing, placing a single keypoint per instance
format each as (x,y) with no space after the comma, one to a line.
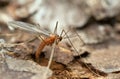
(28,27)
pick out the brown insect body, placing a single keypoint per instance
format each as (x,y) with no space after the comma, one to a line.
(48,41)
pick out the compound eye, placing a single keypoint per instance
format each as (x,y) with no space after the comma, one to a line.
(61,39)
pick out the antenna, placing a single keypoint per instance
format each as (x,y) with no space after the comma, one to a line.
(55,30)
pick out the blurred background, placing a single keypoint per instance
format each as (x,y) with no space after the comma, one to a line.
(96,21)
(102,15)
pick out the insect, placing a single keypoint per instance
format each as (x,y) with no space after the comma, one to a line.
(51,38)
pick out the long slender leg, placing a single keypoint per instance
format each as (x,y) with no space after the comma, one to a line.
(80,55)
(52,53)
(50,60)
(71,42)
(53,47)
(61,33)
(71,36)
(64,34)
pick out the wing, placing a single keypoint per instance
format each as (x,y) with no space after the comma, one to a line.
(28,27)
